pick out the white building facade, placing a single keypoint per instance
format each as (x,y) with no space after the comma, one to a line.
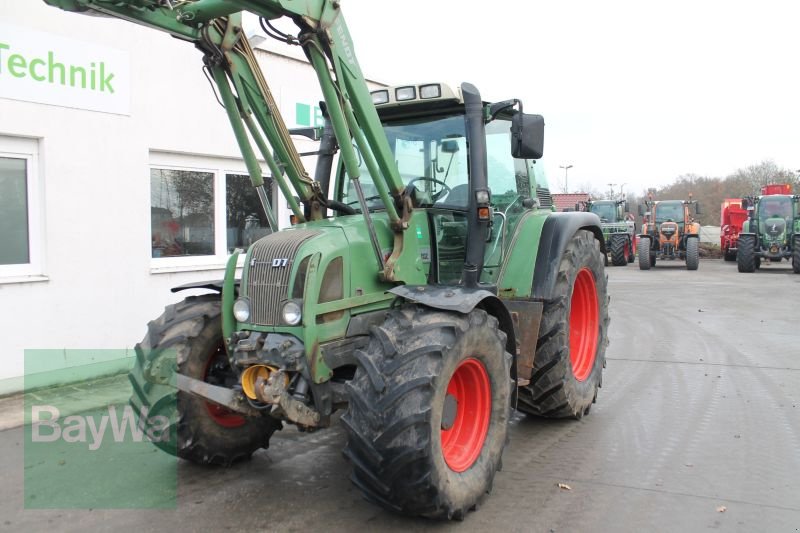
(119,179)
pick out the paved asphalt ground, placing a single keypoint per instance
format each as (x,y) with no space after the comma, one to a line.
(697,427)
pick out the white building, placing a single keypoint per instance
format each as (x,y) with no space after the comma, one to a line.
(119,179)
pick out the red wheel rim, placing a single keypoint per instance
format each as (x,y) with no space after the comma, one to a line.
(222,416)
(462,442)
(584,331)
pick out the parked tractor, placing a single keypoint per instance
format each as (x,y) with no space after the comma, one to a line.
(732,219)
(426,288)
(772,229)
(670,233)
(617,231)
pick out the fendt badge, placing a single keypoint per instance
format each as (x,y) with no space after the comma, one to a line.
(280,263)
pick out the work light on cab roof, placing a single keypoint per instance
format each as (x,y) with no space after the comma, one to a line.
(410,93)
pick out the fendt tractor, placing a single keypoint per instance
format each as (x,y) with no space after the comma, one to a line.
(732,218)
(617,231)
(772,229)
(426,287)
(670,233)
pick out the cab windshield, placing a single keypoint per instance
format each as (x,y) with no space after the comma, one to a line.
(604,211)
(779,206)
(431,155)
(669,211)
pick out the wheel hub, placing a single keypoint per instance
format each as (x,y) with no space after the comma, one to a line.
(465,415)
(584,330)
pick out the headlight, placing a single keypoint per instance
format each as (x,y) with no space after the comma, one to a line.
(241,309)
(291,313)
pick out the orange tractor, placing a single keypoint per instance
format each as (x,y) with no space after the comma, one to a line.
(669,233)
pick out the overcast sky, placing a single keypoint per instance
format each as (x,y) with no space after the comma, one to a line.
(632,92)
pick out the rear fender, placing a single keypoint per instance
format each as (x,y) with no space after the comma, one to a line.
(557,231)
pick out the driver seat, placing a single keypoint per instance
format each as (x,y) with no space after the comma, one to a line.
(457,197)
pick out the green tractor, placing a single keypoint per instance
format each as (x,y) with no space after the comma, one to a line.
(617,231)
(426,289)
(771,231)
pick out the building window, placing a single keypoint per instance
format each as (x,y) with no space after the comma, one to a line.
(181,212)
(199,215)
(14,211)
(20,238)
(246,221)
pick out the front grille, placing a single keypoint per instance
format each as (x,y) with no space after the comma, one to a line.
(544,197)
(271,260)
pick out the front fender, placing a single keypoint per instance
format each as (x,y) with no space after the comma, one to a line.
(461,300)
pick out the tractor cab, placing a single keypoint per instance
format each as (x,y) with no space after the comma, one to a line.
(608,211)
(430,136)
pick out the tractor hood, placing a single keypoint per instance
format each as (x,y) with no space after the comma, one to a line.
(318,262)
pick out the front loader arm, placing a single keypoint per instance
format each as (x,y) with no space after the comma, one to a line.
(214,26)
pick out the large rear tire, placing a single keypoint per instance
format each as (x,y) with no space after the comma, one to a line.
(644,254)
(428,411)
(200,431)
(619,245)
(692,253)
(745,255)
(796,254)
(570,351)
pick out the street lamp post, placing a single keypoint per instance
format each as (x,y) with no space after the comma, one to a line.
(566,170)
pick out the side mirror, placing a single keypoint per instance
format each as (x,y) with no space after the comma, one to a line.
(697,209)
(641,210)
(527,136)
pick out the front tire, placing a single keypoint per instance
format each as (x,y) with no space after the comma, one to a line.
(644,254)
(619,248)
(745,255)
(428,411)
(692,253)
(796,254)
(200,431)
(570,351)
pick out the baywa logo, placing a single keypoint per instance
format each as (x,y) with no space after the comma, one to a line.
(47,426)
(93,77)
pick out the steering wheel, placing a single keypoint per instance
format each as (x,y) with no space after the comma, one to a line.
(434,197)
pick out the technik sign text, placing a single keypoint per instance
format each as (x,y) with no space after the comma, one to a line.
(48,69)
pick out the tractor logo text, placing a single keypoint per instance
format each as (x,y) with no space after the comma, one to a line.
(348,48)
(280,263)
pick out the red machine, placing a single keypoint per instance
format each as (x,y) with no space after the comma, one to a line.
(732,219)
(776,188)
